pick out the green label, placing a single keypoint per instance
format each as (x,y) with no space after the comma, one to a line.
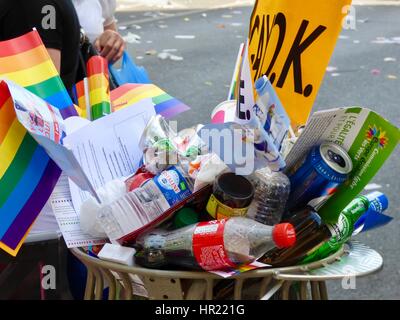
(340,231)
(375,141)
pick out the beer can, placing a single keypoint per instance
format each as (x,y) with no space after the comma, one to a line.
(325,168)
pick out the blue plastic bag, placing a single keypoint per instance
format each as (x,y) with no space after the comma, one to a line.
(129,72)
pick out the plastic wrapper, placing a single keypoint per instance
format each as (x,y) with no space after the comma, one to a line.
(157,143)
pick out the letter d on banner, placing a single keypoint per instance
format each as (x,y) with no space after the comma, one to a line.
(291,42)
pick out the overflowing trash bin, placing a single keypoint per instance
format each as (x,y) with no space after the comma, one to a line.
(265,198)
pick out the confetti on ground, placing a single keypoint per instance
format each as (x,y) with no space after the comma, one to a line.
(135,26)
(239,36)
(139,58)
(226,16)
(391,77)
(220,26)
(390,59)
(236,24)
(208,83)
(185,37)
(362,20)
(132,38)
(151,52)
(204,15)
(335,74)
(163,55)
(162,26)
(237,12)
(372,186)
(149,41)
(170,50)
(356,41)
(167,55)
(384,40)
(122,28)
(343,37)
(175,58)
(165,14)
(186,19)
(331,68)
(375,72)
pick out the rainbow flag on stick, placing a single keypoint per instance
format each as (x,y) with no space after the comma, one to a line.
(78,93)
(164,104)
(27,174)
(99,87)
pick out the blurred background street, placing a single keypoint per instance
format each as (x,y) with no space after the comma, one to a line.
(364,71)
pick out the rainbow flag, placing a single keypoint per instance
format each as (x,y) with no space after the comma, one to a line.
(78,93)
(27,174)
(99,87)
(164,104)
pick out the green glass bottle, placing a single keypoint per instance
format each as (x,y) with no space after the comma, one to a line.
(341,231)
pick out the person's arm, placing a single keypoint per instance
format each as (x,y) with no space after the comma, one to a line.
(112,26)
(55,55)
(110,44)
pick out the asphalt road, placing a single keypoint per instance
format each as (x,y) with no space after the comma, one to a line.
(202,78)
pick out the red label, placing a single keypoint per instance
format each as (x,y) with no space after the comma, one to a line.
(208,246)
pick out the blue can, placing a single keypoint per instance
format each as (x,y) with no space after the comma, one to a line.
(325,168)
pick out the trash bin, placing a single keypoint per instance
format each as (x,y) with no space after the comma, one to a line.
(298,282)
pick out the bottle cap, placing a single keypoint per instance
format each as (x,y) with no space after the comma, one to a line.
(378,201)
(284,235)
(185,217)
(260,85)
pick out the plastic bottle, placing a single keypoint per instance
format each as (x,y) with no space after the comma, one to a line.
(212,245)
(144,205)
(345,226)
(271,193)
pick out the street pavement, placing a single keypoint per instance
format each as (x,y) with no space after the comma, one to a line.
(367,74)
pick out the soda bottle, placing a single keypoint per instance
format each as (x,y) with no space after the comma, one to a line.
(212,245)
(145,204)
(345,226)
(271,193)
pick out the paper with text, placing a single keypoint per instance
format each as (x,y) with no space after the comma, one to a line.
(108,148)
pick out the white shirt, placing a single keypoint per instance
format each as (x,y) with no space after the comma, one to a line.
(94,15)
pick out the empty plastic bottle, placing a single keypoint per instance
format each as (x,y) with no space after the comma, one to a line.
(145,204)
(271,193)
(212,245)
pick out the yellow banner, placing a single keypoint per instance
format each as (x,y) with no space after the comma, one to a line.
(291,42)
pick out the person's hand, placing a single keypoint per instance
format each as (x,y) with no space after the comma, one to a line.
(110,45)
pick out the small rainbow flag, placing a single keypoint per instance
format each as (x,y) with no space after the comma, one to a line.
(164,104)
(99,87)
(78,92)
(27,174)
